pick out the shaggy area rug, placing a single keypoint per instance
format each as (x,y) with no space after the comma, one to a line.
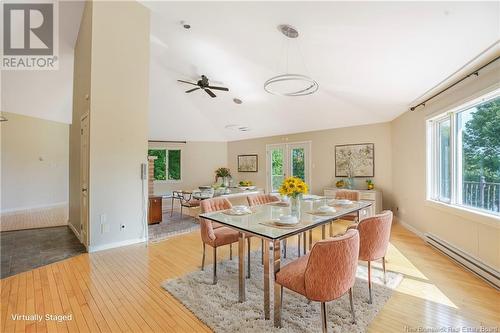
(171,226)
(218,306)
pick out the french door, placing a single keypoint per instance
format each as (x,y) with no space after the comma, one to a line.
(285,160)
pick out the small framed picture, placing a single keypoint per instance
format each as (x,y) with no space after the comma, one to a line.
(248,163)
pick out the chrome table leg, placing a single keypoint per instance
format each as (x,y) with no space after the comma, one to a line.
(267,298)
(241,266)
(298,245)
(277,287)
(262,249)
(304,235)
(248,259)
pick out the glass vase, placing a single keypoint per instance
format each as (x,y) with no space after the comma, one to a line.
(295,206)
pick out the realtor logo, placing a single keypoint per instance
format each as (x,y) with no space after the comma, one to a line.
(29,36)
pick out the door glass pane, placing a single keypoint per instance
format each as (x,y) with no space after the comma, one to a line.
(174,164)
(478,133)
(277,169)
(444,179)
(298,163)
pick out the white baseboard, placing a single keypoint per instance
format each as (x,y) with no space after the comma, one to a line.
(471,263)
(36,207)
(77,234)
(96,248)
(464,259)
(411,228)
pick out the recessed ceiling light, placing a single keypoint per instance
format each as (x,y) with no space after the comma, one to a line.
(237,100)
(236,127)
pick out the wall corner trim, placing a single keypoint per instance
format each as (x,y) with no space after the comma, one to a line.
(77,234)
(96,248)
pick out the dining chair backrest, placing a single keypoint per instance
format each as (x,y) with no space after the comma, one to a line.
(331,267)
(215,204)
(374,234)
(261,199)
(207,206)
(347,195)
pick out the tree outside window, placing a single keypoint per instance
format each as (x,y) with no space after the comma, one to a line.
(167,165)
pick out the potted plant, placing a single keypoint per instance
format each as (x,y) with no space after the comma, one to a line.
(369,184)
(293,187)
(223,173)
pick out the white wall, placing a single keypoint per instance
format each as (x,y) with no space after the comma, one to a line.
(323,145)
(118,121)
(478,237)
(81,105)
(34,163)
(199,160)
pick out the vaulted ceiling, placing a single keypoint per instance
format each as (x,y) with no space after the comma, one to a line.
(371,60)
(47,94)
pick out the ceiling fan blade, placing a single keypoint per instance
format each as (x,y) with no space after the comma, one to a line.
(218,88)
(191,90)
(210,93)
(194,84)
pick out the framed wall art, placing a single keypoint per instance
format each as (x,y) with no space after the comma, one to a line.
(355,160)
(248,163)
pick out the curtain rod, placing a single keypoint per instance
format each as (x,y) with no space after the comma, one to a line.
(167,141)
(476,73)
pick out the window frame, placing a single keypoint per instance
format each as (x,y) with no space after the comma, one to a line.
(433,159)
(169,181)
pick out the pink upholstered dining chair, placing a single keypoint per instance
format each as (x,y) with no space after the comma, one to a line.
(324,274)
(262,199)
(348,195)
(216,235)
(374,234)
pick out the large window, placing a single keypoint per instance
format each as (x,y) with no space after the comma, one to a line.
(464,155)
(167,165)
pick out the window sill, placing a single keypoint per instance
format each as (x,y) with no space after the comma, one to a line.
(469,214)
(167,181)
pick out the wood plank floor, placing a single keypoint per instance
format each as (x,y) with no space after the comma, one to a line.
(119,290)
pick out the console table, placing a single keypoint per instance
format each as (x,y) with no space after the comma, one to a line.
(374,196)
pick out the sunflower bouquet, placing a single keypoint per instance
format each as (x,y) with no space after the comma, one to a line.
(293,187)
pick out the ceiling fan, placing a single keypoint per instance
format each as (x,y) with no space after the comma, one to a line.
(205,85)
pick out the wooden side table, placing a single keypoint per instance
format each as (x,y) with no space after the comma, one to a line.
(155,213)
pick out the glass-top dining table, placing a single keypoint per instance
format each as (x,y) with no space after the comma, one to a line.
(261,223)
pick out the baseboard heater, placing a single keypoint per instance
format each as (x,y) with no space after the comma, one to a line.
(487,273)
